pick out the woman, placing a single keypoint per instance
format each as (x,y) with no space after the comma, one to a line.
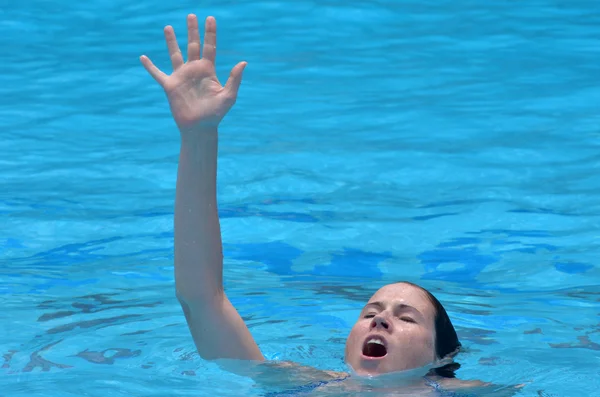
(402,326)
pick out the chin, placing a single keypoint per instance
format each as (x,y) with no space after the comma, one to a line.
(371,368)
(368,372)
(401,374)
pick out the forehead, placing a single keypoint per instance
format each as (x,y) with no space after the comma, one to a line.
(406,294)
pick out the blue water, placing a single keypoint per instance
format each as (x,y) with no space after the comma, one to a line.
(452,144)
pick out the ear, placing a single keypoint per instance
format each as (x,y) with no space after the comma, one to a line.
(442,362)
(454,353)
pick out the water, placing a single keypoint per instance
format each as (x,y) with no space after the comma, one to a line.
(453,144)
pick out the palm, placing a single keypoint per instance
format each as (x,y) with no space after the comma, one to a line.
(194,94)
(196,97)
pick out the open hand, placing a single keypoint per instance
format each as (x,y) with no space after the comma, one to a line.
(196,97)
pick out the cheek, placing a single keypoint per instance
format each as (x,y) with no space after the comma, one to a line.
(354,337)
(425,338)
(419,340)
(427,346)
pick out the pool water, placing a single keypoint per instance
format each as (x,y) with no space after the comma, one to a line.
(452,144)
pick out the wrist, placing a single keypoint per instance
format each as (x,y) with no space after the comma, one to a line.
(198,134)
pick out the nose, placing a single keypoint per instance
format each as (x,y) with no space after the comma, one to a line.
(380,322)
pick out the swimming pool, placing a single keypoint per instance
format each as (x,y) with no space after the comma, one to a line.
(454,144)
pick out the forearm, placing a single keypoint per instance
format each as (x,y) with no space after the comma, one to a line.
(198,247)
(199,255)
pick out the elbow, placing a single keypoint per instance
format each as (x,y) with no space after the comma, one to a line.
(198,296)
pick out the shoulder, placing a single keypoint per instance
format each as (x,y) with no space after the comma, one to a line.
(292,367)
(270,371)
(453,383)
(489,388)
(337,375)
(293,377)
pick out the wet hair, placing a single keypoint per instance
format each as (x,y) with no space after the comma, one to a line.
(447,344)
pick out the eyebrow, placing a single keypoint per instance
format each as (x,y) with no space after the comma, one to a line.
(382,305)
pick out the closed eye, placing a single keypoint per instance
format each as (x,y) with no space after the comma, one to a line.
(369,315)
(407,319)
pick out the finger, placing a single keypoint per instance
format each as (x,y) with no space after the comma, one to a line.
(209,50)
(193,38)
(155,72)
(235,79)
(174,51)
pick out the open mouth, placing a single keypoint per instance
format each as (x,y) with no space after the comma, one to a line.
(374,347)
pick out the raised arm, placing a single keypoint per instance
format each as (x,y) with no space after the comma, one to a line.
(198,103)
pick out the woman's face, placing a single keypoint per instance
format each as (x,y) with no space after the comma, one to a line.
(395,332)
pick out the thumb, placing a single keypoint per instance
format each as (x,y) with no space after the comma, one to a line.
(235,79)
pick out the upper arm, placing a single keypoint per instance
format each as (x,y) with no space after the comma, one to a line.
(218,330)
